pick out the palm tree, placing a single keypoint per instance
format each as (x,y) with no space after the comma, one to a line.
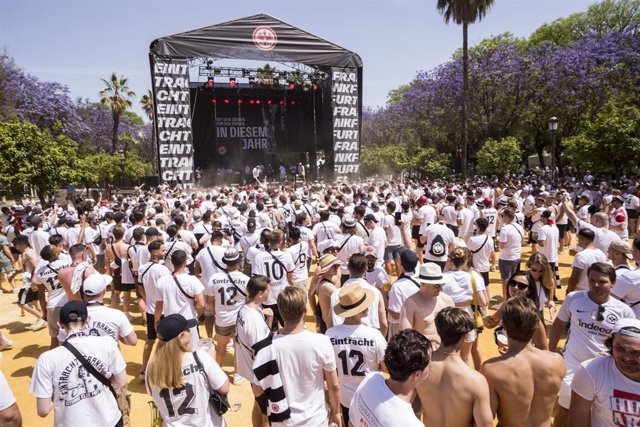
(266,75)
(147,106)
(464,12)
(115,95)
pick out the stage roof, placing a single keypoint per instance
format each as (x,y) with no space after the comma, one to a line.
(253,38)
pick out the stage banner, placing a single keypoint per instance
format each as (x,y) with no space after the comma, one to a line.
(173,119)
(346,127)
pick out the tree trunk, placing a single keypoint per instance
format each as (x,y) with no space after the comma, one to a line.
(465,89)
(114,132)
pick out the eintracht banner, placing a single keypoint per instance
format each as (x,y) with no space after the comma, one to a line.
(173,119)
(346,129)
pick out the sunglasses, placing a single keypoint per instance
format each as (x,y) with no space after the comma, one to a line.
(600,316)
(519,285)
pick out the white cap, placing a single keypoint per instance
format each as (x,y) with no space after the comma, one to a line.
(96,283)
(622,324)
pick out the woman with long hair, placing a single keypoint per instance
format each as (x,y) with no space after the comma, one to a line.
(521,284)
(542,274)
(180,380)
(460,287)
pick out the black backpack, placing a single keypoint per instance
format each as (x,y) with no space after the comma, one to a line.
(438,247)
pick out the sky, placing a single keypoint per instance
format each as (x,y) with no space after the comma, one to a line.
(78,42)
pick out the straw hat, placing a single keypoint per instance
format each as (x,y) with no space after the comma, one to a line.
(327,261)
(353,299)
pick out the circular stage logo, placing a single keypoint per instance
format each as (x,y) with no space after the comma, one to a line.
(222,150)
(265,38)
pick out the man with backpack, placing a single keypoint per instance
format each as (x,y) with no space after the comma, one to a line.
(438,241)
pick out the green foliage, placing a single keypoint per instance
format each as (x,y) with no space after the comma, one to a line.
(395,95)
(104,168)
(501,157)
(610,142)
(30,156)
(385,160)
(431,163)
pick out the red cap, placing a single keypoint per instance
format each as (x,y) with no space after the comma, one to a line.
(487,202)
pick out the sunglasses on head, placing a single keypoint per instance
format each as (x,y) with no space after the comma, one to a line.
(519,285)
(600,316)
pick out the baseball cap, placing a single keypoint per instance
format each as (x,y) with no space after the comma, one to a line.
(422,200)
(251,223)
(152,231)
(622,327)
(73,311)
(371,251)
(173,325)
(96,283)
(119,216)
(487,202)
(622,246)
(369,217)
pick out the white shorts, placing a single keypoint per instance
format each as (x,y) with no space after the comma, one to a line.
(564,397)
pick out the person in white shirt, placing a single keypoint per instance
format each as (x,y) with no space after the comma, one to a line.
(590,316)
(209,261)
(380,402)
(10,415)
(359,349)
(325,229)
(350,243)
(62,384)
(391,226)
(150,273)
(306,361)
(510,241)
(604,390)
(627,288)
(427,215)
(251,328)
(377,276)
(438,241)
(377,237)
(466,221)
(618,219)
(402,289)
(481,248)
(179,293)
(299,251)
(277,265)
(180,388)
(548,240)
(228,290)
(583,259)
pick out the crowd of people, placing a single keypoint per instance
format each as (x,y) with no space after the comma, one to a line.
(393,276)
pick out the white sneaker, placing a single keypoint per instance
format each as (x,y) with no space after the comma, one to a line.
(237,379)
(6,344)
(40,324)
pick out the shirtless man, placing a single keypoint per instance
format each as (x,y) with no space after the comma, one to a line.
(450,376)
(420,309)
(79,253)
(525,381)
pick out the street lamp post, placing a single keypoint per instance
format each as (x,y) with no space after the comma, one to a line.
(553,128)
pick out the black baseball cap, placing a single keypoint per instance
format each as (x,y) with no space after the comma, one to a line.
(251,222)
(73,311)
(173,325)
(152,231)
(369,217)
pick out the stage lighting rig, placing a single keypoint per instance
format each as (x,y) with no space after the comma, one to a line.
(232,81)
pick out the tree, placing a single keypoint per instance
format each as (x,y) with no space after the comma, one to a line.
(386,160)
(430,163)
(30,156)
(265,76)
(148,107)
(115,95)
(464,12)
(502,157)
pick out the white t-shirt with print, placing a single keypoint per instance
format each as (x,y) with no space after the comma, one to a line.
(47,275)
(431,232)
(627,288)
(265,264)
(359,350)
(250,328)
(189,406)
(105,322)
(6,395)
(300,253)
(302,359)
(78,397)
(228,298)
(583,261)
(372,318)
(374,404)
(616,398)
(207,265)
(587,334)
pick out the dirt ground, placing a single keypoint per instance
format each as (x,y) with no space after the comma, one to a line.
(17,363)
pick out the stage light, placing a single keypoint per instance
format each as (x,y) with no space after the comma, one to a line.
(293,102)
(281,102)
(239,101)
(257,101)
(232,81)
(210,82)
(213,100)
(252,102)
(315,87)
(292,86)
(226,101)
(269,102)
